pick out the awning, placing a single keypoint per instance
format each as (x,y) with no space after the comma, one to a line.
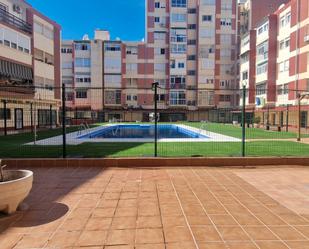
(16,71)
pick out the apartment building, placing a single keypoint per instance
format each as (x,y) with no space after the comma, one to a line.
(274,64)
(29,67)
(189,48)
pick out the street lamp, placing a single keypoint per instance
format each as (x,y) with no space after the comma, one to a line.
(243,119)
(300,97)
(155,87)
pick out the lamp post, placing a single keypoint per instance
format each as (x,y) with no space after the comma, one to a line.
(155,87)
(243,120)
(300,97)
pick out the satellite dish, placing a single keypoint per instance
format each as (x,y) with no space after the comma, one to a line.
(86,37)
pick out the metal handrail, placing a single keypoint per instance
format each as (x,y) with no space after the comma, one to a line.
(8,18)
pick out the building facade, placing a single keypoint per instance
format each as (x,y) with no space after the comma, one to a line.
(274,65)
(190,49)
(30,74)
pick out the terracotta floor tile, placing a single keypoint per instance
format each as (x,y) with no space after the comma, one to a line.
(287,233)
(149,222)
(80,213)
(177,234)
(92,238)
(8,241)
(205,233)
(117,247)
(63,239)
(247,220)
(128,203)
(271,245)
(149,235)
(303,229)
(298,244)
(172,221)
(33,240)
(103,212)
(230,233)
(123,223)
(241,245)
(128,195)
(171,210)
(126,212)
(73,224)
(182,245)
(148,210)
(150,246)
(294,219)
(199,220)
(121,237)
(223,219)
(97,223)
(107,203)
(212,245)
(111,196)
(260,233)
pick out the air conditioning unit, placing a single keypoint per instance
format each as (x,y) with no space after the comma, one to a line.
(17,9)
(306,38)
(162,25)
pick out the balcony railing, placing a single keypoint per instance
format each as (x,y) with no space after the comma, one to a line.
(10,19)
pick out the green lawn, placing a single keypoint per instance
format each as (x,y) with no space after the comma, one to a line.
(12,145)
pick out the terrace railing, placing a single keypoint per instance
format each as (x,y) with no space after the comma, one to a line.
(10,19)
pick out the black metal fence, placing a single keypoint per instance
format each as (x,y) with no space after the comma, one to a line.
(130,122)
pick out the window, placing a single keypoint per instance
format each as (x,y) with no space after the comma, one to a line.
(191,57)
(66,50)
(262,68)
(178,79)
(157,19)
(191,26)
(207,18)
(208,64)
(245,75)
(159,67)
(157,5)
(177,98)
(191,42)
(132,50)
(43,30)
(226,22)
(81,94)
(181,65)
(82,62)
(207,33)
(112,47)
(285,20)
(179,3)
(8,114)
(284,66)
(159,35)
(224,98)
(131,67)
(225,39)
(208,2)
(176,17)
(285,43)
(191,72)
(178,35)
(263,28)
(178,48)
(67,65)
(159,51)
(226,6)
(192,11)
(15,40)
(82,46)
(83,79)
(225,53)
(261,89)
(113,97)
(209,81)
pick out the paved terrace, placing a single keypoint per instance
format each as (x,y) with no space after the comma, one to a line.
(163,208)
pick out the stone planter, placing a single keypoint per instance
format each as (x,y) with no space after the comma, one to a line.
(14,189)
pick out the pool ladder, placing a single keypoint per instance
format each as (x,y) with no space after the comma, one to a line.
(83,127)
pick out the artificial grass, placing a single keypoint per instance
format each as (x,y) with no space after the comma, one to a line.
(13,146)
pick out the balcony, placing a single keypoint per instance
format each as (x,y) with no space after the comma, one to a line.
(10,19)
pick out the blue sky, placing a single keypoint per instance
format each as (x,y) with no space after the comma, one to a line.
(123,18)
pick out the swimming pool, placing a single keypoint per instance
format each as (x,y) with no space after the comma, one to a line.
(165,131)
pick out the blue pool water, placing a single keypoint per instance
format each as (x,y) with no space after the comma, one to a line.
(143,131)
